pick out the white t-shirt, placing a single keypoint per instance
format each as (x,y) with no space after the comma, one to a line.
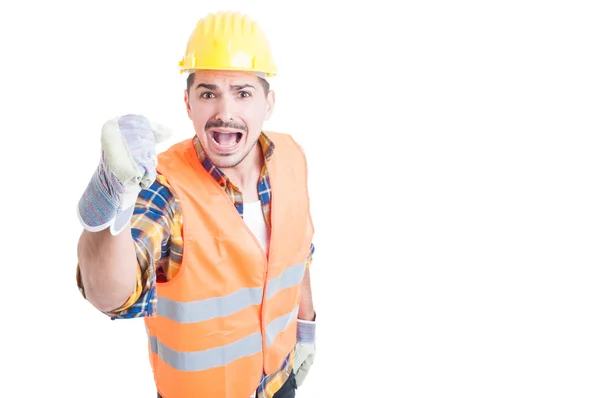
(255,220)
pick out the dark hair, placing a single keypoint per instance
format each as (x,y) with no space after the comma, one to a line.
(265,84)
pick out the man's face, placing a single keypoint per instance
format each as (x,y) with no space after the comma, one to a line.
(227,110)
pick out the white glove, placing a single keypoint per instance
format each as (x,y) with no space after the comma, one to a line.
(305,348)
(127,165)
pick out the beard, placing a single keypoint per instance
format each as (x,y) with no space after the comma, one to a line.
(230,160)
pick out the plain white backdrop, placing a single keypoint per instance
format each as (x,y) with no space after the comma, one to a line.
(454,166)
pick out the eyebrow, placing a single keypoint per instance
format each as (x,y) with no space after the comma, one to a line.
(242,86)
(214,86)
(207,86)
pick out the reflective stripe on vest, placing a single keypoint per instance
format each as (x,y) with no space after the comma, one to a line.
(202,310)
(220,356)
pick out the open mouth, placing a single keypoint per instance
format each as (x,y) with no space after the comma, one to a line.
(225,139)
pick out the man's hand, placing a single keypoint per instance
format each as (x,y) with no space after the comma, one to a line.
(305,349)
(127,165)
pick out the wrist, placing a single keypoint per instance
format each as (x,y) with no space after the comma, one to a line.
(309,315)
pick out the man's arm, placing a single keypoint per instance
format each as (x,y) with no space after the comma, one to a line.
(108,267)
(306,325)
(306,309)
(107,259)
(151,233)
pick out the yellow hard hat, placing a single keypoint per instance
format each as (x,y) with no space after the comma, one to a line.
(228,41)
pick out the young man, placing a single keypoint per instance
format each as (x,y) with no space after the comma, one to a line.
(211,241)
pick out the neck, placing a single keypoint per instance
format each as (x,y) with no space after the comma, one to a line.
(246,174)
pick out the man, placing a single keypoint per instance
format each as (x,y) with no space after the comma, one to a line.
(211,240)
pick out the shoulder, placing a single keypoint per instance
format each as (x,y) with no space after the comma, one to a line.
(176,146)
(277,136)
(285,141)
(174,151)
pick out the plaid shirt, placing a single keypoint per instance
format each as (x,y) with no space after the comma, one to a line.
(157,227)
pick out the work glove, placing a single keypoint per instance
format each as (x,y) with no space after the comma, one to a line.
(304,355)
(127,165)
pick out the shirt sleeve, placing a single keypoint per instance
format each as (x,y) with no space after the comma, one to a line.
(310,255)
(150,229)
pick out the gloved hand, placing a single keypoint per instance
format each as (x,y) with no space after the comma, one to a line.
(304,355)
(127,165)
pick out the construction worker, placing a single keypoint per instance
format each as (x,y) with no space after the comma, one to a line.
(209,241)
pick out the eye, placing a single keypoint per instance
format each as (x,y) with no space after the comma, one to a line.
(207,95)
(245,94)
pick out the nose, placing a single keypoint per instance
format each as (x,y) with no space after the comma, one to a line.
(225,109)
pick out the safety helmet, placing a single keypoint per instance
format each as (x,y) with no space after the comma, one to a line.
(228,41)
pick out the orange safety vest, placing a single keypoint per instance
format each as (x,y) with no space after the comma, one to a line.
(230,313)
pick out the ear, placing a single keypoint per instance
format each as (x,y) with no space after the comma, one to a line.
(270,104)
(187,103)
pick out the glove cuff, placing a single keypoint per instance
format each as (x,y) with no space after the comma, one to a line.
(101,200)
(305,331)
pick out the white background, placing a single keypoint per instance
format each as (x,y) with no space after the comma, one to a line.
(454,169)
